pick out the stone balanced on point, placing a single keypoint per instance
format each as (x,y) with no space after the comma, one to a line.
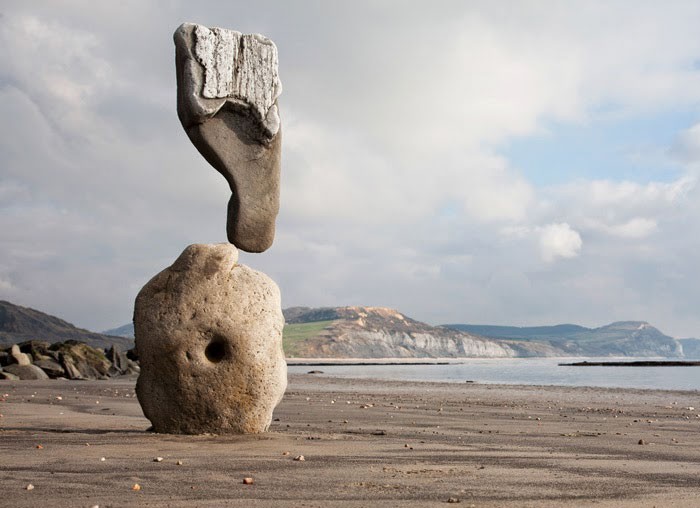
(209,330)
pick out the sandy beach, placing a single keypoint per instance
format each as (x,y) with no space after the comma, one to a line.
(365,443)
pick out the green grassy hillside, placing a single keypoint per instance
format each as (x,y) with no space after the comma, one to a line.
(297,333)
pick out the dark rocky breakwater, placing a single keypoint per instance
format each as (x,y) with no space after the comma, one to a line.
(71,359)
(641,363)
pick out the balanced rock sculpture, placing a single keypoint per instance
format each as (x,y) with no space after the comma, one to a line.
(227,90)
(209,330)
(209,337)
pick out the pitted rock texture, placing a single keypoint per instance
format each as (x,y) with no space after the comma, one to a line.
(209,336)
(227,90)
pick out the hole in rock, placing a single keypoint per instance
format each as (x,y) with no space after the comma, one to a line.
(216,350)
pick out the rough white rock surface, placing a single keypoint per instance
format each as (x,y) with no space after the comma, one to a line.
(209,336)
(216,50)
(219,66)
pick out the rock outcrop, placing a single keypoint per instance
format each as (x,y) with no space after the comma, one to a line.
(80,361)
(68,360)
(227,90)
(209,339)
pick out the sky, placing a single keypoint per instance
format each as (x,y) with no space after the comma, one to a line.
(514,163)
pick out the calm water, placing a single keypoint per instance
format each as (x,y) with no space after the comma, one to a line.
(526,371)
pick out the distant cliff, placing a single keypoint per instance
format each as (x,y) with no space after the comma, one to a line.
(378,332)
(623,338)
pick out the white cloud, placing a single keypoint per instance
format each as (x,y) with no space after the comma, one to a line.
(559,241)
(638,227)
(623,209)
(59,67)
(606,192)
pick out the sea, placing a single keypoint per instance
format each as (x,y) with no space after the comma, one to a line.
(525,371)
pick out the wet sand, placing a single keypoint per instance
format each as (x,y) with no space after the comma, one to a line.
(365,443)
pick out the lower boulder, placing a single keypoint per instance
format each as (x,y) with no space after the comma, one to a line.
(209,337)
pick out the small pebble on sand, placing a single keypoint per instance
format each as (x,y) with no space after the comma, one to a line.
(29,487)
(158,459)
(178,463)
(300,458)
(248,481)
(102,459)
(136,487)
(285,453)
(453,500)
